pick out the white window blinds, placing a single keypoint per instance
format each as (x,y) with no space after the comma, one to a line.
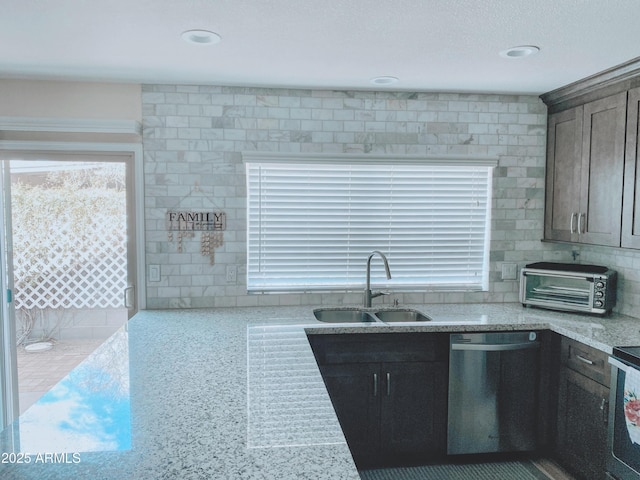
(312,225)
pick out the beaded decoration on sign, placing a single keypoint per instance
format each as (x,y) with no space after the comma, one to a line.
(209,241)
(182,235)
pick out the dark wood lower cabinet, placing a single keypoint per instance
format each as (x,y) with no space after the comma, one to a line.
(581,442)
(413,409)
(389,392)
(352,391)
(391,413)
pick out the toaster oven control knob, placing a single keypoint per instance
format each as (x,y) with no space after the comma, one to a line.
(599,284)
(599,294)
(599,303)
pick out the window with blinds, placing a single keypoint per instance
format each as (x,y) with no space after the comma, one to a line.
(313,223)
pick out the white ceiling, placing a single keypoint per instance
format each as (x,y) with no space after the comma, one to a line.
(430,45)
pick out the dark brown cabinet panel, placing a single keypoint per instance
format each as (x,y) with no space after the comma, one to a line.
(583,405)
(585,163)
(586,361)
(582,425)
(390,395)
(413,411)
(602,171)
(631,200)
(355,391)
(391,414)
(564,146)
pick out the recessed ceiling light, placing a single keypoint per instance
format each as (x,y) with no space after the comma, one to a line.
(384,80)
(519,52)
(200,37)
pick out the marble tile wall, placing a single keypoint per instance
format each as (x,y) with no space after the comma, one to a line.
(194,135)
(626,262)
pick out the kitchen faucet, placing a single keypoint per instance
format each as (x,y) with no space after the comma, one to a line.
(368,294)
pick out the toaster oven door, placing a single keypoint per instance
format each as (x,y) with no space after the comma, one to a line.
(557,291)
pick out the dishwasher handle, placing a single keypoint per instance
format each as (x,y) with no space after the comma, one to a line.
(495,347)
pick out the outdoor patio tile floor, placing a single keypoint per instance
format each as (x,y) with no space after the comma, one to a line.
(38,372)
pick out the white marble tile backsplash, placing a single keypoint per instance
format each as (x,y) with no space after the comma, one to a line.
(194,135)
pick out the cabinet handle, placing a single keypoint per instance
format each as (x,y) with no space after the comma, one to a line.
(584,360)
(604,408)
(375,384)
(572,225)
(388,384)
(127,296)
(581,216)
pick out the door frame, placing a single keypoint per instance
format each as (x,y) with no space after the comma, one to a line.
(9,404)
(9,374)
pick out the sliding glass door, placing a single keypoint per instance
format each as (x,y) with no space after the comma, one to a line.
(72,272)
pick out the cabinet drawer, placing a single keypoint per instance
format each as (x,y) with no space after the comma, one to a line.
(586,360)
(376,347)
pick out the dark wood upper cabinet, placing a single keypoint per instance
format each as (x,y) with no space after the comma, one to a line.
(585,171)
(593,160)
(603,134)
(631,201)
(564,146)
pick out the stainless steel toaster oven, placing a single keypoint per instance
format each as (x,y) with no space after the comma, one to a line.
(568,287)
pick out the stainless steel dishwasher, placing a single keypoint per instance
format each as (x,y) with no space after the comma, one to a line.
(493,386)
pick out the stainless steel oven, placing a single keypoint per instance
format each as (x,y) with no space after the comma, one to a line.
(623,460)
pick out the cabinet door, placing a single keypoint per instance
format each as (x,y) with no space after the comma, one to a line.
(414,410)
(603,142)
(582,425)
(631,193)
(564,145)
(355,391)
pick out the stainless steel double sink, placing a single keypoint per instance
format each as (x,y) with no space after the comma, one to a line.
(362,315)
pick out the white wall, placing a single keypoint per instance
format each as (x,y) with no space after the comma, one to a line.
(32,98)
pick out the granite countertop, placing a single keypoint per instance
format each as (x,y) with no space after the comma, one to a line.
(227,394)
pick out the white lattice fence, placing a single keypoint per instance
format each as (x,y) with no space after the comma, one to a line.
(82,260)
